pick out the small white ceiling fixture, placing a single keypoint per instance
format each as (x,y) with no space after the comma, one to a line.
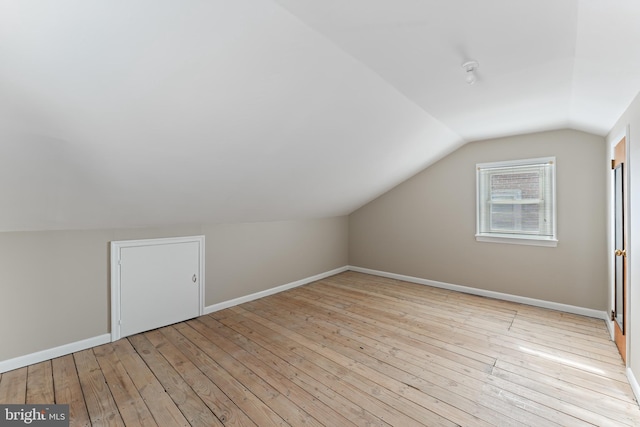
(470,68)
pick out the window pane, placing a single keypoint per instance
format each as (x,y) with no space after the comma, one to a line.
(524,185)
(515,185)
(531,217)
(504,217)
(516,198)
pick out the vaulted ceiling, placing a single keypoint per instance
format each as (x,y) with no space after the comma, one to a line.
(156,112)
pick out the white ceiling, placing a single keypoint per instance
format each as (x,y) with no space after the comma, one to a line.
(153,112)
(544,64)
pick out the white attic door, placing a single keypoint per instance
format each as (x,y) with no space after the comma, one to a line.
(154,283)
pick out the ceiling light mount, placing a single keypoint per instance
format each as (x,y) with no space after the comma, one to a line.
(470,68)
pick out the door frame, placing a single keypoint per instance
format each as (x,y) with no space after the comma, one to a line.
(115,281)
(611,243)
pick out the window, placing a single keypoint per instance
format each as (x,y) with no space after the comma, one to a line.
(516,202)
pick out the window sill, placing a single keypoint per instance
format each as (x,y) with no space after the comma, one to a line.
(518,240)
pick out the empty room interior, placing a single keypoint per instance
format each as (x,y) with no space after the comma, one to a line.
(278,212)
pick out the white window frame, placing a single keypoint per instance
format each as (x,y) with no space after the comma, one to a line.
(483,206)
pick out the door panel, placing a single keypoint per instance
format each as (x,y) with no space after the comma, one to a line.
(619,246)
(159,285)
(620,256)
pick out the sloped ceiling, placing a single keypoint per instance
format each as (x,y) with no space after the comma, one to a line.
(155,112)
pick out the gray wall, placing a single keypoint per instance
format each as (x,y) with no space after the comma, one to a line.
(425,227)
(54,285)
(250,257)
(631,118)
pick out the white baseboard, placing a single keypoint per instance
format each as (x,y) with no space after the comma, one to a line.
(490,294)
(267,292)
(52,353)
(634,384)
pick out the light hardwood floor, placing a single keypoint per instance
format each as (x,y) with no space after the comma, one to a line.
(351,349)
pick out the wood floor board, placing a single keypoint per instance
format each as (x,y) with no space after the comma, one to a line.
(458,384)
(126,396)
(221,314)
(13,387)
(162,407)
(545,316)
(531,413)
(229,375)
(530,392)
(272,409)
(456,339)
(576,347)
(68,390)
(515,341)
(591,336)
(567,357)
(437,314)
(435,300)
(577,393)
(385,404)
(597,382)
(275,398)
(445,334)
(170,344)
(335,326)
(356,295)
(40,383)
(437,343)
(305,406)
(348,350)
(505,341)
(100,403)
(297,370)
(549,338)
(442,333)
(511,350)
(595,385)
(564,321)
(200,351)
(612,409)
(190,404)
(464,394)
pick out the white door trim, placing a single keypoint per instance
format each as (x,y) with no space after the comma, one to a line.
(116,246)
